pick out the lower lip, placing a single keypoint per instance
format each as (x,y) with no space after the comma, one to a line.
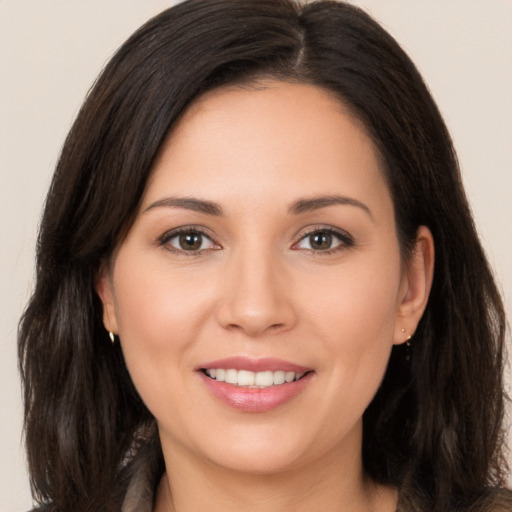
(255,399)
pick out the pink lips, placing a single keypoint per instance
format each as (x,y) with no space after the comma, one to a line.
(255,399)
(254,365)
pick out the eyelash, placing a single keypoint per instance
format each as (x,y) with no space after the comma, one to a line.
(169,235)
(345,239)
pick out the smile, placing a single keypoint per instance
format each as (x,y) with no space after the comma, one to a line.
(249,379)
(254,385)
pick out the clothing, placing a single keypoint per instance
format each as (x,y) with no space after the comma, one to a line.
(140,495)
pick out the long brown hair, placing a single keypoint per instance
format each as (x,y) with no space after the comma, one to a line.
(435,427)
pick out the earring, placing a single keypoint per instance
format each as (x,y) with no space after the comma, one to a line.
(112,337)
(407,346)
(408,337)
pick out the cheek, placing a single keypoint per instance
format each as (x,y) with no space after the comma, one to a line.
(355,319)
(358,303)
(159,319)
(155,305)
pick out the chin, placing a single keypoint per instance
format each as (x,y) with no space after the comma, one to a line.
(268,450)
(258,461)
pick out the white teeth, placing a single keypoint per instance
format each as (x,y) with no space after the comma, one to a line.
(231,377)
(264,379)
(279,378)
(246,378)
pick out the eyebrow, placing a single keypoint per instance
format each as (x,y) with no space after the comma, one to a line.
(316,203)
(298,207)
(189,203)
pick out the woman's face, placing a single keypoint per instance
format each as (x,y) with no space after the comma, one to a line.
(264,252)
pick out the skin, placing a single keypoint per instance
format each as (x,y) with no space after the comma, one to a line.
(257,288)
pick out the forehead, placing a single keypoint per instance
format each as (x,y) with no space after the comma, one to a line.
(270,138)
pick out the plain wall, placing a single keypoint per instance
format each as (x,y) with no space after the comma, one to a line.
(51,52)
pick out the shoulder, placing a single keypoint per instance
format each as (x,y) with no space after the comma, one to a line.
(492,500)
(498,500)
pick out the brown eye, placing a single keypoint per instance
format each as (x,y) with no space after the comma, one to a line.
(190,241)
(325,240)
(320,240)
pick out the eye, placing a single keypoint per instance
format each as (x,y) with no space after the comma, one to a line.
(188,240)
(324,240)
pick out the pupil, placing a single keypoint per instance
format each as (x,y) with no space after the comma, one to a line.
(190,241)
(320,240)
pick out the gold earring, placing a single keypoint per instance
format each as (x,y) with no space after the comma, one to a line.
(407,346)
(112,337)
(408,339)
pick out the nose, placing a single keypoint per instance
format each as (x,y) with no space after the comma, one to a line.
(257,296)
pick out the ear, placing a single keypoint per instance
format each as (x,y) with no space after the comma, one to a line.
(415,287)
(105,292)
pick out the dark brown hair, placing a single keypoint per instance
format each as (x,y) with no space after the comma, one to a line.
(434,429)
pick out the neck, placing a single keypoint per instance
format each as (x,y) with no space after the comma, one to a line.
(333,482)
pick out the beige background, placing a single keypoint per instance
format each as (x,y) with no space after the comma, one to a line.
(51,51)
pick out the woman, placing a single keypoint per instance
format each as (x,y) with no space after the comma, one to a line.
(237,303)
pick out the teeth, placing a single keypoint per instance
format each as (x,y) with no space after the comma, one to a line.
(279,378)
(264,379)
(231,377)
(289,376)
(245,378)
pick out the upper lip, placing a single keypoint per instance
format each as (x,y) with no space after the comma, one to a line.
(254,365)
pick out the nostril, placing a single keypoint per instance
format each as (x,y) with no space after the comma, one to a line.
(255,310)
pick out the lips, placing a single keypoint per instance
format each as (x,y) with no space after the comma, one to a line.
(254,385)
(254,365)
